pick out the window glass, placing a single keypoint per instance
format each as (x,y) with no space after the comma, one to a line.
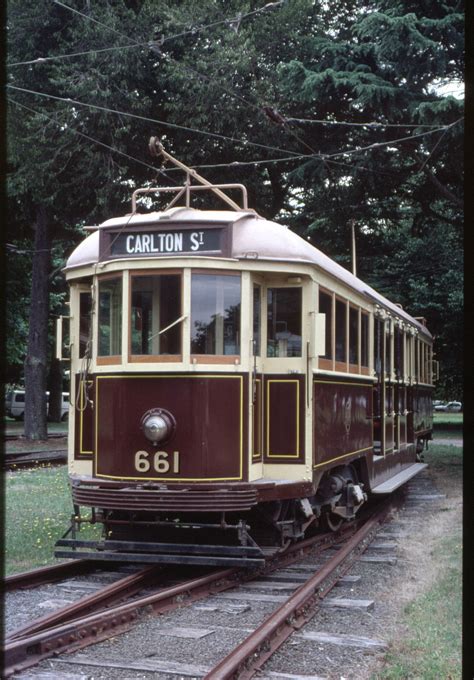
(156,303)
(398,354)
(417,362)
(257,319)
(388,347)
(378,346)
(364,339)
(353,335)
(325,307)
(215,314)
(85,308)
(110,317)
(341,331)
(284,322)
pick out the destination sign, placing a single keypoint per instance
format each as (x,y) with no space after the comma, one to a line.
(166,242)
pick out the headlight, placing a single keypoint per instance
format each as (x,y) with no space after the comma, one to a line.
(158,425)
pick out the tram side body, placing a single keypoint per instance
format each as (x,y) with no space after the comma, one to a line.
(311,432)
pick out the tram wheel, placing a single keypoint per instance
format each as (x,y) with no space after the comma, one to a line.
(331,521)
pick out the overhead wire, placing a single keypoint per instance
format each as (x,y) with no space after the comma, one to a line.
(323,157)
(244,142)
(147,43)
(91,139)
(68,100)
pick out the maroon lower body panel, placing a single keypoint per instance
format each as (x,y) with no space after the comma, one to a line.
(342,420)
(210,438)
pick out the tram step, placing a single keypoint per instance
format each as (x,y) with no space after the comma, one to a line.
(402,477)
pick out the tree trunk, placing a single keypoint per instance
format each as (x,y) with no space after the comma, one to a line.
(55,381)
(37,351)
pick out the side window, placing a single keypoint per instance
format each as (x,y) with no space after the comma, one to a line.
(353,335)
(379,325)
(110,317)
(215,314)
(388,347)
(325,307)
(156,306)
(257,319)
(417,360)
(284,322)
(364,339)
(85,321)
(341,311)
(398,353)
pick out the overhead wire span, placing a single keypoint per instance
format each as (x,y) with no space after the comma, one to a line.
(91,139)
(68,100)
(147,43)
(323,157)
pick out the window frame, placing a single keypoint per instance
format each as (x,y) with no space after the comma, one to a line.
(154,358)
(271,285)
(341,365)
(214,358)
(108,359)
(327,362)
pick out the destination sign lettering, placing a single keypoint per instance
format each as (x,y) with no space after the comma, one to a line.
(166,242)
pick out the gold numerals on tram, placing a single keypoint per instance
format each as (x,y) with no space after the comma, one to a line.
(160,461)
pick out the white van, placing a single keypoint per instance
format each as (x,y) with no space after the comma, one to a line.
(15,404)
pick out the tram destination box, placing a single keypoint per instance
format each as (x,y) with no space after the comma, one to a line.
(165,240)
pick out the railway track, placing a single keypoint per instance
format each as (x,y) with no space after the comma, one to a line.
(11,436)
(119,606)
(23,459)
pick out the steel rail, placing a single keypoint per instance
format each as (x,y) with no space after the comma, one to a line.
(49,574)
(29,457)
(27,651)
(245,660)
(127,586)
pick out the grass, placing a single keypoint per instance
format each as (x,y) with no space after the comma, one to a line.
(431,647)
(431,650)
(37,511)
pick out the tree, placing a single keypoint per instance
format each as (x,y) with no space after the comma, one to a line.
(268,82)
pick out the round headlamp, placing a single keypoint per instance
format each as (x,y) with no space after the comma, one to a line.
(158,425)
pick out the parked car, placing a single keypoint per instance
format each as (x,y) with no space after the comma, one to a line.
(15,404)
(450,407)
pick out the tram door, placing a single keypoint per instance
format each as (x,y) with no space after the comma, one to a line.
(279,371)
(256,396)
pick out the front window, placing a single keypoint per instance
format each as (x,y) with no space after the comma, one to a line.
(156,307)
(110,317)
(215,314)
(284,322)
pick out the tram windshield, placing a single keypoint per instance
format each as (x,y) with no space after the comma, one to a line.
(215,314)
(156,304)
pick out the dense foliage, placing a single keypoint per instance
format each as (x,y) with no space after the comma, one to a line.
(237,84)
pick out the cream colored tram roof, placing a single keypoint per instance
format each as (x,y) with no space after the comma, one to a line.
(253,237)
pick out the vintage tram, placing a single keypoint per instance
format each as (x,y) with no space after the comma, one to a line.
(235,388)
